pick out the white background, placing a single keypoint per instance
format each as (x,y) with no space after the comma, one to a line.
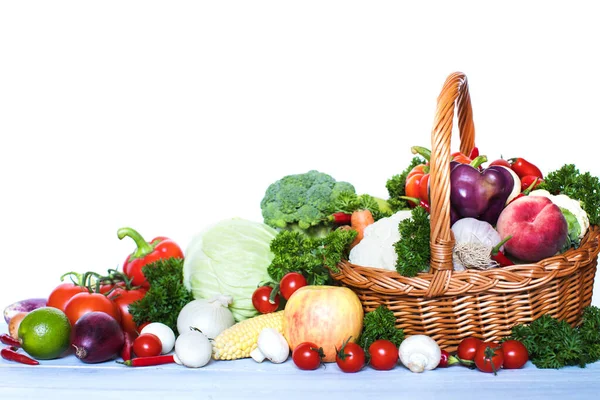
(169,116)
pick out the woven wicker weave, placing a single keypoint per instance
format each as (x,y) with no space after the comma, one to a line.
(449,306)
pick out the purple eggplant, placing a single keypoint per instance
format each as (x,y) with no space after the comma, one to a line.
(479,194)
(23,306)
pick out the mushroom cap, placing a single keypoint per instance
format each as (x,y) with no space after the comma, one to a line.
(419,353)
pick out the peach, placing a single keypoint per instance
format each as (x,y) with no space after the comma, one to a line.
(538,228)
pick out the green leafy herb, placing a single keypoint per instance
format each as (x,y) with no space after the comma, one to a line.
(395,186)
(167,294)
(348,202)
(413,247)
(555,344)
(380,324)
(583,187)
(295,251)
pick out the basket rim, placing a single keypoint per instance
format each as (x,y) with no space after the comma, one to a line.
(509,279)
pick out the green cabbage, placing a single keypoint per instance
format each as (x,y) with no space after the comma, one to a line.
(230,257)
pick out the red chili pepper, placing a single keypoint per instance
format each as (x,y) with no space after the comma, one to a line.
(444,359)
(474,153)
(147,252)
(530,181)
(528,190)
(448,360)
(499,256)
(10,354)
(9,340)
(341,218)
(522,168)
(414,200)
(127,350)
(149,361)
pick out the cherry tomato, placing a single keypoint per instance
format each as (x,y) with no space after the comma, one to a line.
(147,345)
(489,357)
(61,295)
(351,357)
(467,348)
(307,356)
(291,282)
(260,300)
(500,161)
(123,298)
(84,303)
(515,354)
(384,354)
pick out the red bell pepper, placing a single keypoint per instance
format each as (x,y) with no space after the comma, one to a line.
(159,248)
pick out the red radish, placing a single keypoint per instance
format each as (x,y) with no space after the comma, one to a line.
(97,337)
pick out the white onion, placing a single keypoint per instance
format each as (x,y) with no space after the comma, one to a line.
(193,349)
(210,316)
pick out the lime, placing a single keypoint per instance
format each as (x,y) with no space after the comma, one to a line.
(45,333)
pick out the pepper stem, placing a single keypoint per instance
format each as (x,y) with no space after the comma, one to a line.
(422,151)
(477,161)
(496,248)
(143,247)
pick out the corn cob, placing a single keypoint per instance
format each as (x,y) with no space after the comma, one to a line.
(239,340)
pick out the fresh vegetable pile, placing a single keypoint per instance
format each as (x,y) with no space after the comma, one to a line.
(263,290)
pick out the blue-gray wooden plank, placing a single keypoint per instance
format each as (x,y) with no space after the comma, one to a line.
(68,377)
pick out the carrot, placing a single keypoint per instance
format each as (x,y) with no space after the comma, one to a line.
(359,221)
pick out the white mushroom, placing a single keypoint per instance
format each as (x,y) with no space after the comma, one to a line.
(419,353)
(272,346)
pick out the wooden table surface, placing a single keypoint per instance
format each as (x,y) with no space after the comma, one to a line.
(68,378)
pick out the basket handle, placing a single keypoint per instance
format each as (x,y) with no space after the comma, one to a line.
(454,92)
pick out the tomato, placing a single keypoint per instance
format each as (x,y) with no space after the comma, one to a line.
(291,282)
(61,295)
(489,357)
(307,356)
(384,354)
(260,300)
(147,345)
(84,303)
(500,161)
(123,298)
(351,357)
(107,287)
(515,354)
(467,348)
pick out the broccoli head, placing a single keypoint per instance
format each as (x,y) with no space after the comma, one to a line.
(302,201)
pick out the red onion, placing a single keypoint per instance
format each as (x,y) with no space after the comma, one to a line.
(97,337)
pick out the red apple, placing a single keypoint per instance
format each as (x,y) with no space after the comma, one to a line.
(324,315)
(537,226)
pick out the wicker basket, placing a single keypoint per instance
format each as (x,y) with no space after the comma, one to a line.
(449,306)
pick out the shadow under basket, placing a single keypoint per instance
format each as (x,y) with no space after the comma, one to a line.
(450,306)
